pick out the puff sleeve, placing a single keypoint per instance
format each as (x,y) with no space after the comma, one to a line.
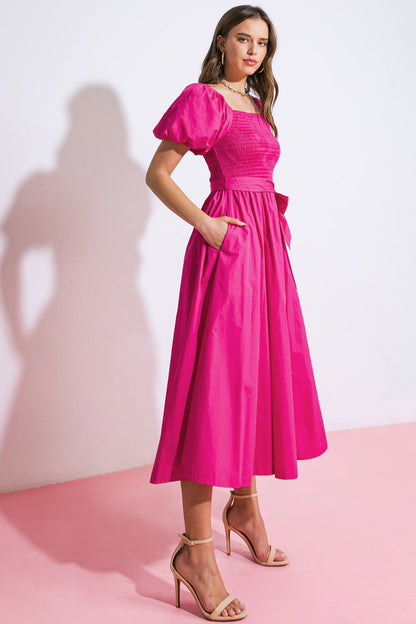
(198,118)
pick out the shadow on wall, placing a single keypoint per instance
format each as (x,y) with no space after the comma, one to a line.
(84,402)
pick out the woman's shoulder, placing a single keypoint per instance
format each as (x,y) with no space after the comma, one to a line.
(258,102)
(197,118)
(201,90)
(205,100)
(213,94)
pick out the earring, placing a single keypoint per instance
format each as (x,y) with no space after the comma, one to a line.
(261,71)
(222,58)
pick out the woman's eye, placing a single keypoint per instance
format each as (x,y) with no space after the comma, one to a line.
(244,40)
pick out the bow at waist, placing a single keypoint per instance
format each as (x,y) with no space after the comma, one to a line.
(256,185)
(282,201)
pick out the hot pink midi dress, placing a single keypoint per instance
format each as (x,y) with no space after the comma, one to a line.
(241,398)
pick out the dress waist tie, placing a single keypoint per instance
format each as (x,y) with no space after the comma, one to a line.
(256,185)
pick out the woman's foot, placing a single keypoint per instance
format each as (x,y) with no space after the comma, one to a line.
(245,516)
(199,567)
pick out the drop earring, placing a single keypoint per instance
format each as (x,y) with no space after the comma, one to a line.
(222,58)
(261,71)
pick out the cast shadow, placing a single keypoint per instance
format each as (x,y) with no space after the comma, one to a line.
(114,523)
(84,399)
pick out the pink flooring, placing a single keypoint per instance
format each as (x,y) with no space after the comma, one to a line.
(97,550)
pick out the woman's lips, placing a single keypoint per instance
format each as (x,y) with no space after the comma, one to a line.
(250,62)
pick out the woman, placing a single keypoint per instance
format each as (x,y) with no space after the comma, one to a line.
(241,397)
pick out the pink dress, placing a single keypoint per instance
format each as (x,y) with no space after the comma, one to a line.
(241,398)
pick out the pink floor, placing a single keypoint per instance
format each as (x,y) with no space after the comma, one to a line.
(97,550)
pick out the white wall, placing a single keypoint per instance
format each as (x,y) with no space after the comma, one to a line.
(91,262)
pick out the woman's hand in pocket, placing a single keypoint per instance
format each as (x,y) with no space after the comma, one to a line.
(214,229)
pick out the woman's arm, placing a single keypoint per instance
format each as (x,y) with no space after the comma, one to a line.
(158,179)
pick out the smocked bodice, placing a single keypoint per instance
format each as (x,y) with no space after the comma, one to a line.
(247,148)
(233,143)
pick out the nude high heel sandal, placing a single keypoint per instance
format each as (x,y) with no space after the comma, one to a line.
(215,614)
(270,559)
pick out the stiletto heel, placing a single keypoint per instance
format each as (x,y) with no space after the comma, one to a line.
(227,540)
(178,591)
(228,527)
(215,614)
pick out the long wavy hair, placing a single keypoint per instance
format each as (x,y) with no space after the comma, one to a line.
(264,83)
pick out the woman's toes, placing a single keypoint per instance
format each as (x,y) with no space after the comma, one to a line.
(280,555)
(235,609)
(237,606)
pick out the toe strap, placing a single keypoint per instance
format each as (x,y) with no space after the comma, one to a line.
(271,556)
(224,603)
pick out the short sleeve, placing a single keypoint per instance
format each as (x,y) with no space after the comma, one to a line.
(198,118)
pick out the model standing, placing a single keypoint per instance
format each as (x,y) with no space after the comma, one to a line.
(241,397)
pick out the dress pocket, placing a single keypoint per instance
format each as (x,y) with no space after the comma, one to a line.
(227,231)
(234,237)
(231,240)
(224,240)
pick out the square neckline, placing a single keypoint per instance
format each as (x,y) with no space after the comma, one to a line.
(235,110)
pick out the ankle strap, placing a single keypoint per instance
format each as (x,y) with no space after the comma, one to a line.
(189,542)
(234,495)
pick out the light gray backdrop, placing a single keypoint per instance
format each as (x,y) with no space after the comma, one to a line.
(91,261)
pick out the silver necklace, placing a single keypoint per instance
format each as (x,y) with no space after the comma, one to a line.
(246,93)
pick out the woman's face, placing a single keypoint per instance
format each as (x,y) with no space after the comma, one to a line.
(244,47)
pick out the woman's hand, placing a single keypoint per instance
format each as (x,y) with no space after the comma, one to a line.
(214,229)
(158,178)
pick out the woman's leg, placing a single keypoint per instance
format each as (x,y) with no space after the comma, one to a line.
(245,515)
(197,563)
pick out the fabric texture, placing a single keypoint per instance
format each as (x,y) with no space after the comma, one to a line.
(241,398)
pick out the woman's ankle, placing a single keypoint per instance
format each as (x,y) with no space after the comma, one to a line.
(200,555)
(247,505)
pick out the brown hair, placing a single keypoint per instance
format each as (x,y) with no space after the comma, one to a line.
(263,84)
